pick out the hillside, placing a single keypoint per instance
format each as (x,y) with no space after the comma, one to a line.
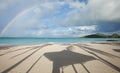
(98,35)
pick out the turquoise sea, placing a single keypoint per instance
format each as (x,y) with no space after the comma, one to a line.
(28,41)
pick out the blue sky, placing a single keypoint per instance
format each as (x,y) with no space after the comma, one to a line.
(58,18)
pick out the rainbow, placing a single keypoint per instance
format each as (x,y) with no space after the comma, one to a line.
(19,14)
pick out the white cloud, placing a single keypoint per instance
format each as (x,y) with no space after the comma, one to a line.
(95,11)
(106,9)
(82,18)
(77,4)
(89,28)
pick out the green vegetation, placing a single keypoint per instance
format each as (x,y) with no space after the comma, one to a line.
(98,35)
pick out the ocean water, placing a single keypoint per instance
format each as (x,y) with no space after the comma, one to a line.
(28,41)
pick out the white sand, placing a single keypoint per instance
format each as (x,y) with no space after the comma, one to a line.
(57,58)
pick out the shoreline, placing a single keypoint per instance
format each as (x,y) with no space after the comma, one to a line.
(22,41)
(107,41)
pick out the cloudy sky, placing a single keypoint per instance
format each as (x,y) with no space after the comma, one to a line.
(58,18)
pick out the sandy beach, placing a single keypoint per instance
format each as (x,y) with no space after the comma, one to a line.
(61,58)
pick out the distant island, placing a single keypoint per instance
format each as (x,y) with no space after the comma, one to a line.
(99,35)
